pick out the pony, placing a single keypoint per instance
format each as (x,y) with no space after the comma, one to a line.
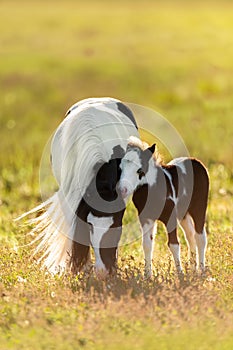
(173,193)
(86,151)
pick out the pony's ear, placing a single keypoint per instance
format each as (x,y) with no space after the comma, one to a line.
(152,148)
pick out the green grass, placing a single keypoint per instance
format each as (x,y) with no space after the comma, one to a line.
(175,57)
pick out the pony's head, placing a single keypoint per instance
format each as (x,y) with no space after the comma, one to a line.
(135,166)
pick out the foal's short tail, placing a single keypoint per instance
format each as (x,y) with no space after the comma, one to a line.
(54,230)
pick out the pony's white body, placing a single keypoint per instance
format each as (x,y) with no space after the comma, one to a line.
(86,136)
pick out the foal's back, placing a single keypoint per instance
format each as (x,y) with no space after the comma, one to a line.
(190,182)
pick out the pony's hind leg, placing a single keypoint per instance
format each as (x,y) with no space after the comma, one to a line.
(187,226)
(80,257)
(148,228)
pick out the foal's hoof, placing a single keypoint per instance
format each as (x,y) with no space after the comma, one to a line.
(180,274)
(179,271)
(147,275)
(202,272)
(101,274)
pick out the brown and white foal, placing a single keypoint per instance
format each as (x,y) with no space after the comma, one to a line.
(172,193)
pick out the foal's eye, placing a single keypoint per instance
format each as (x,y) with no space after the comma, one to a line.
(141,173)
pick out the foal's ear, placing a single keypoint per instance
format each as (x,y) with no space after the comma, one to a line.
(152,148)
(148,152)
(129,147)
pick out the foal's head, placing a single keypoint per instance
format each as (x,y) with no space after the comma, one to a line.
(135,166)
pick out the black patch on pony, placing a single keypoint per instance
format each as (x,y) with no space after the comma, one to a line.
(104,185)
(126,111)
(109,174)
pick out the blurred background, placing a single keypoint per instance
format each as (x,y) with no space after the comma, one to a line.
(173,56)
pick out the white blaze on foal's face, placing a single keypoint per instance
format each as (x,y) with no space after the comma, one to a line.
(131,166)
(136,169)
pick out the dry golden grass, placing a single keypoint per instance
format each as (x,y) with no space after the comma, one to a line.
(174,56)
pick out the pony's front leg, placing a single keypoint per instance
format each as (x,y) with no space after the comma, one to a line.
(104,240)
(148,228)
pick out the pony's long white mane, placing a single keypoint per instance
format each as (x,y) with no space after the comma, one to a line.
(86,136)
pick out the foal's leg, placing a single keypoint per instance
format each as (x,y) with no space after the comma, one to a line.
(201,241)
(169,218)
(148,228)
(187,226)
(174,247)
(197,239)
(200,236)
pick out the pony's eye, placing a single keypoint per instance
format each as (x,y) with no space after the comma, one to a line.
(141,173)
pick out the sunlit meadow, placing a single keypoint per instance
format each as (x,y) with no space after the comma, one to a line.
(173,56)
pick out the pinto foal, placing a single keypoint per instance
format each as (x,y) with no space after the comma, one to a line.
(176,192)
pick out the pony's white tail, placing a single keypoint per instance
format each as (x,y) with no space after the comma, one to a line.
(54,230)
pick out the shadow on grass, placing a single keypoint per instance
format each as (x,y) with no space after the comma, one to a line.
(129,281)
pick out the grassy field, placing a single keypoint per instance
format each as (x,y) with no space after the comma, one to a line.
(174,57)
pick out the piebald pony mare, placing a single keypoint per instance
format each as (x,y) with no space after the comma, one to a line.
(86,151)
(176,192)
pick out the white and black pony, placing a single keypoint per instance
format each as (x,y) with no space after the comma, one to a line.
(86,151)
(176,192)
